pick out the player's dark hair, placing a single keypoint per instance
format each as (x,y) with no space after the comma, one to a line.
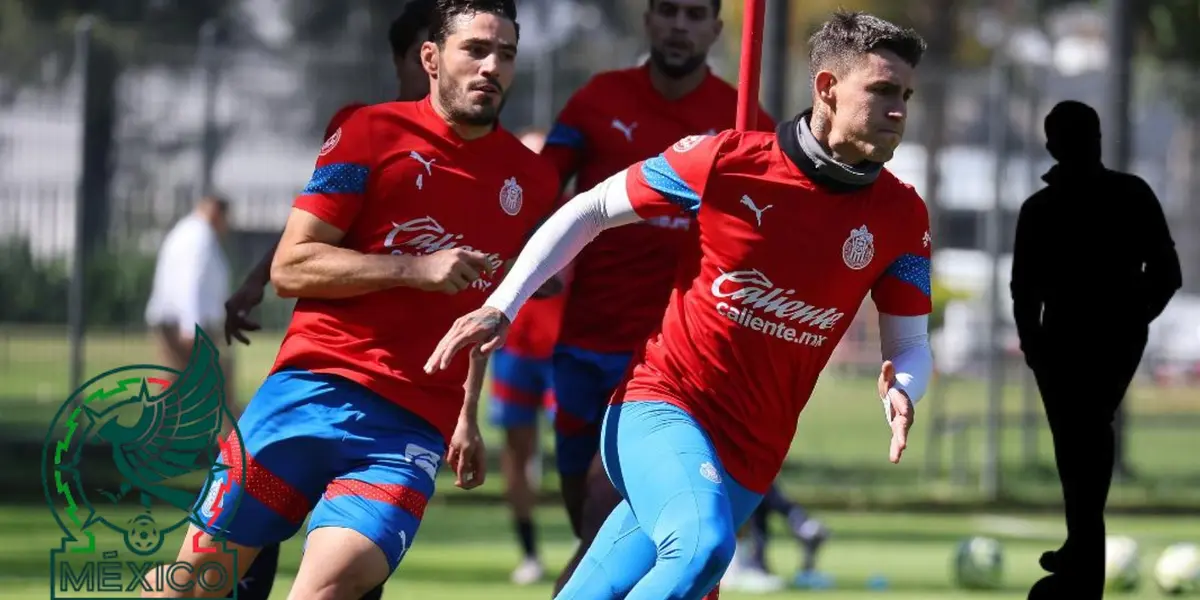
(403,32)
(446,11)
(849,35)
(716,6)
(218,202)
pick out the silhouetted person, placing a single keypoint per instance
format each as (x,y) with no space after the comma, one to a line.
(1093,265)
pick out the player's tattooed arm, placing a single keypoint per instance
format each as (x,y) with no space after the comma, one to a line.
(310,263)
(552,248)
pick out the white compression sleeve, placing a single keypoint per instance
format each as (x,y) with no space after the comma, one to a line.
(905,342)
(556,243)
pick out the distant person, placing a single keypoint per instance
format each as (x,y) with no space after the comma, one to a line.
(1094,264)
(749,571)
(191,282)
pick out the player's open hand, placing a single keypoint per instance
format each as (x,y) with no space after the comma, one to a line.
(898,409)
(237,307)
(451,271)
(484,326)
(466,455)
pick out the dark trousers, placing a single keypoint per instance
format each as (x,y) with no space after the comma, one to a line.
(1082,382)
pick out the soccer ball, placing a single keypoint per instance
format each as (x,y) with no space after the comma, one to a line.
(979,563)
(142,536)
(1121,562)
(1178,569)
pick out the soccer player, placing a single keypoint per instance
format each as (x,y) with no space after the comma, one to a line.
(405,36)
(521,389)
(411,210)
(796,228)
(621,282)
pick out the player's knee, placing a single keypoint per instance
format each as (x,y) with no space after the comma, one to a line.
(521,441)
(343,564)
(714,551)
(700,557)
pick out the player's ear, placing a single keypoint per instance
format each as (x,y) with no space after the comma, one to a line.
(718,26)
(429,57)
(825,86)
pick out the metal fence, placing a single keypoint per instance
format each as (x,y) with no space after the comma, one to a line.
(247,123)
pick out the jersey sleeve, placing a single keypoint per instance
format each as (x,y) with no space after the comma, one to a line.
(566,144)
(673,182)
(339,118)
(905,288)
(338,187)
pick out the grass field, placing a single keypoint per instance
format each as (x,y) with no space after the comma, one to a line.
(841,444)
(466,549)
(468,552)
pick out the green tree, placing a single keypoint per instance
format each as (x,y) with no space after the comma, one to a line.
(354,64)
(1168,34)
(124,34)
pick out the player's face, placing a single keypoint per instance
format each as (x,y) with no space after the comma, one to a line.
(473,69)
(681,33)
(410,74)
(870,104)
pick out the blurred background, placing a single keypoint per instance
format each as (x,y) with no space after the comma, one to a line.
(116,115)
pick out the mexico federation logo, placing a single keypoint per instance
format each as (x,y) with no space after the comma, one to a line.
(132,459)
(859,248)
(511,197)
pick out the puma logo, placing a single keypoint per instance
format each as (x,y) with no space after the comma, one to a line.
(758,212)
(626,130)
(428,164)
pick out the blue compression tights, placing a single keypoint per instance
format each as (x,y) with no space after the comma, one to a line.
(674,533)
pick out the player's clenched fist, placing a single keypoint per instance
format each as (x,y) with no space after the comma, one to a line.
(450,271)
(484,326)
(898,409)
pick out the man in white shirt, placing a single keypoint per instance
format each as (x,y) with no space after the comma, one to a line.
(191,283)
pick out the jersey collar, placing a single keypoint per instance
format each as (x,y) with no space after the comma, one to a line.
(803,150)
(439,126)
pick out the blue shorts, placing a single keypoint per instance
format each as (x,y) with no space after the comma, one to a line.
(521,388)
(584,381)
(324,445)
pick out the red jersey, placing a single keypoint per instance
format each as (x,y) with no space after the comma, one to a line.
(398,180)
(535,332)
(783,268)
(623,278)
